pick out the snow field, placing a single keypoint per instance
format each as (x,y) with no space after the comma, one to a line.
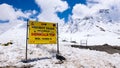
(76,58)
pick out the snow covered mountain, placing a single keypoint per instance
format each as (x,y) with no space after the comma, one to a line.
(98,26)
(96,29)
(16,33)
(101,20)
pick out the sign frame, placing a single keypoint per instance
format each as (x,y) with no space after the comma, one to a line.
(27,38)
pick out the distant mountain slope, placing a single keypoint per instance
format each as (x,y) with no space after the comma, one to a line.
(95,27)
(16,34)
(101,21)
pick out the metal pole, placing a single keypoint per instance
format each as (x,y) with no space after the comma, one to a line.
(57,40)
(26,40)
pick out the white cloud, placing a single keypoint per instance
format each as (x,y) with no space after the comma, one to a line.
(29,13)
(112,5)
(7,12)
(49,9)
(93,6)
(103,3)
(80,10)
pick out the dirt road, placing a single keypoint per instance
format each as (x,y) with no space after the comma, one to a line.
(107,48)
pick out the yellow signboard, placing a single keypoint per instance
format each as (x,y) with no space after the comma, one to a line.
(42,33)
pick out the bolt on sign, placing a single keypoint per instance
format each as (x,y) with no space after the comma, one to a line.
(42,33)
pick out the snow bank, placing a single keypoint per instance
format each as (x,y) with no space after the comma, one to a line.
(76,58)
(43,56)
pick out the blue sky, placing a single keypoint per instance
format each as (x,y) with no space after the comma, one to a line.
(26,5)
(54,10)
(71,3)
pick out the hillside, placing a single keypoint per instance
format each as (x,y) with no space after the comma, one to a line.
(97,29)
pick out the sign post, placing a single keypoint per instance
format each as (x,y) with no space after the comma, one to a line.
(26,41)
(57,40)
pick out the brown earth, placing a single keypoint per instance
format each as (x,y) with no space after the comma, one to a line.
(106,48)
